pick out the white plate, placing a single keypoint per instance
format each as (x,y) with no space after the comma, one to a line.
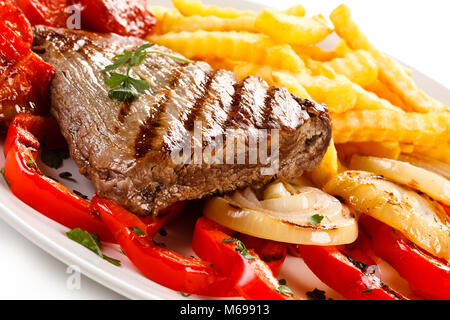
(126,280)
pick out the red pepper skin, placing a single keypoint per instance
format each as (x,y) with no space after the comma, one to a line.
(273,253)
(47,12)
(14,18)
(427,276)
(38,191)
(124,17)
(335,269)
(253,279)
(164,266)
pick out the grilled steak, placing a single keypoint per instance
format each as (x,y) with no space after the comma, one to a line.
(127,149)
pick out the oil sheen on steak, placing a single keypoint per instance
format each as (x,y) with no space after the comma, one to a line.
(126,149)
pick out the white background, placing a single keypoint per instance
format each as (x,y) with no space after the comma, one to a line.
(416,32)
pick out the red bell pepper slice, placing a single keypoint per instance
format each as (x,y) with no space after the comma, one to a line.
(38,191)
(351,278)
(14,18)
(47,12)
(273,253)
(427,275)
(162,265)
(252,278)
(125,17)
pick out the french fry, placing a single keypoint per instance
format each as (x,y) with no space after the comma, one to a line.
(358,66)
(314,52)
(342,48)
(251,47)
(171,22)
(440,153)
(285,80)
(296,10)
(338,94)
(424,129)
(274,78)
(290,29)
(389,150)
(328,168)
(383,92)
(391,72)
(160,11)
(196,7)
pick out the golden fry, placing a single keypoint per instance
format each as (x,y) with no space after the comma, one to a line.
(196,7)
(358,66)
(391,72)
(314,52)
(389,150)
(297,10)
(290,29)
(160,11)
(251,47)
(383,92)
(176,23)
(440,153)
(425,129)
(328,168)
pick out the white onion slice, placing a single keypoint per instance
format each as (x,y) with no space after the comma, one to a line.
(429,164)
(435,185)
(421,220)
(271,220)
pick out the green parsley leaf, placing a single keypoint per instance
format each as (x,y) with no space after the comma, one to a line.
(90,241)
(30,161)
(315,219)
(137,230)
(124,88)
(283,289)
(185,294)
(115,80)
(119,61)
(66,175)
(316,294)
(2,171)
(367,290)
(230,240)
(54,158)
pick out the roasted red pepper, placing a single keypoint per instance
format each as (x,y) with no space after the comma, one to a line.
(14,19)
(125,17)
(162,265)
(38,191)
(427,275)
(252,278)
(25,77)
(273,253)
(47,12)
(353,279)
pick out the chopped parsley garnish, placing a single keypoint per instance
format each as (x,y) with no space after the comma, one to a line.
(316,294)
(67,176)
(367,290)
(92,242)
(283,289)
(78,193)
(137,230)
(30,162)
(240,247)
(2,171)
(124,88)
(315,219)
(54,158)
(185,294)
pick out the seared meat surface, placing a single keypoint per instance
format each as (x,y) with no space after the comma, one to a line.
(126,149)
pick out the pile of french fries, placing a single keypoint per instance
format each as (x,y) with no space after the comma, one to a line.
(376,107)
